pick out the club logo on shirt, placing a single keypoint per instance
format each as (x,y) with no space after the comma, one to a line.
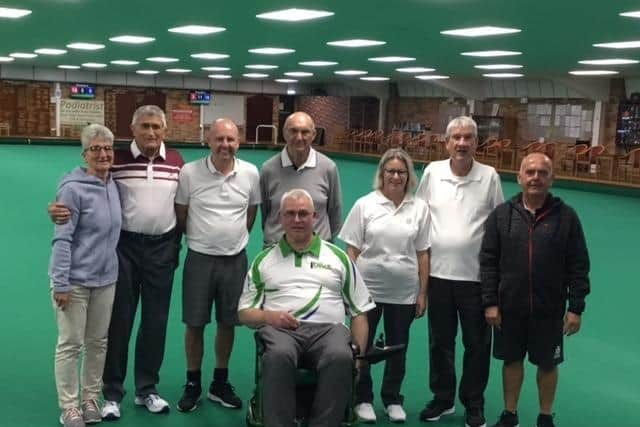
(315,264)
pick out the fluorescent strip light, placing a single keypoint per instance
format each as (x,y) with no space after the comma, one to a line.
(592,72)
(497,66)
(480,31)
(502,75)
(351,72)
(162,59)
(375,79)
(294,15)
(48,51)
(415,70)
(124,62)
(23,55)
(197,30)
(147,72)
(356,43)
(178,70)
(132,39)
(94,65)
(620,45)
(219,76)
(85,46)
(260,67)
(291,91)
(69,67)
(431,77)
(298,74)
(271,50)
(208,55)
(11,13)
(6,59)
(491,53)
(318,63)
(634,14)
(256,75)
(392,59)
(608,61)
(286,81)
(215,68)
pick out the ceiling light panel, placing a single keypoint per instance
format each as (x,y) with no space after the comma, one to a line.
(178,70)
(374,79)
(128,39)
(432,77)
(498,66)
(49,51)
(215,68)
(85,46)
(69,67)
(298,74)
(286,81)
(620,45)
(271,50)
(6,59)
(592,72)
(415,70)
(256,75)
(617,61)
(480,31)
(209,55)
(162,59)
(219,76)
(147,72)
(295,15)
(356,43)
(124,62)
(318,63)
(491,53)
(196,30)
(392,59)
(11,13)
(260,67)
(23,55)
(502,75)
(633,14)
(94,65)
(351,72)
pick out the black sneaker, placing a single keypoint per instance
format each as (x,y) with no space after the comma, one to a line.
(436,409)
(507,419)
(190,397)
(474,417)
(545,420)
(224,394)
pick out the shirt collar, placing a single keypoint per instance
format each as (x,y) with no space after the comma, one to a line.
(381,199)
(213,169)
(135,151)
(313,248)
(473,175)
(309,163)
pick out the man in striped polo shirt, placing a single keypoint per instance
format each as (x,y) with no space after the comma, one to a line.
(296,294)
(146,174)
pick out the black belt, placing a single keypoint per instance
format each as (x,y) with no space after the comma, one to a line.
(149,237)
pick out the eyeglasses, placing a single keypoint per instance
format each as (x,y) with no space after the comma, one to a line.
(400,172)
(98,148)
(300,214)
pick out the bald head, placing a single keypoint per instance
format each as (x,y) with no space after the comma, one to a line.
(223,139)
(535,177)
(223,123)
(299,132)
(537,158)
(300,117)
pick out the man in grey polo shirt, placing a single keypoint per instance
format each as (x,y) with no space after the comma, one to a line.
(216,205)
(300,166)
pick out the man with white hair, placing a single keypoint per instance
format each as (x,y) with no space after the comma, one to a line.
(295,294)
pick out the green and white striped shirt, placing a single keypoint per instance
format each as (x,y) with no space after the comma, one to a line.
(320,284)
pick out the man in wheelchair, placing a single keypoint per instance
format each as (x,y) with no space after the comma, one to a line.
(296,295)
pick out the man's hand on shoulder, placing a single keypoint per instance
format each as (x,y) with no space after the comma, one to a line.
(572,323)
(280,319)
(58,213)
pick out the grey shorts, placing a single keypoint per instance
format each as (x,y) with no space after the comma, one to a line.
(209,278)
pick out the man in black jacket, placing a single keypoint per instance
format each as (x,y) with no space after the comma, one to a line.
(533,260)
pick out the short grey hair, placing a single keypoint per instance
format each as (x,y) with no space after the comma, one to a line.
(296,193)
(149,110)
(302,114)
(400,154)
(461,122)
(93,132)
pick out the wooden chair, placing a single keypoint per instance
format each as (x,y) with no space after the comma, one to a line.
(508,153)
(629,166)
(571,157)
(532,147)
(5,129)
(492,153)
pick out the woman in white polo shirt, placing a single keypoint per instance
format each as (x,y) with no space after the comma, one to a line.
(387,236)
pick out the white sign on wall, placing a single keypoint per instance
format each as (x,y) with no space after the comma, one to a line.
(81,112)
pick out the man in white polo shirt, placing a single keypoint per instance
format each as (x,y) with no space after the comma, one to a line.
(296,294)
(216,204)
(461,194)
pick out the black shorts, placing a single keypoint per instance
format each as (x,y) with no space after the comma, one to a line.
(209,278)
(539,336)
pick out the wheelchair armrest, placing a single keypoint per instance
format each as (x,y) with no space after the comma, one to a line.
(378,354)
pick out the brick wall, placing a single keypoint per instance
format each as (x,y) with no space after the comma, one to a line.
(328,112)
(183,119)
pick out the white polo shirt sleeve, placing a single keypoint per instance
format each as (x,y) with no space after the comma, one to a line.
(352,232)
(423,237)
(184,186)
(495,191)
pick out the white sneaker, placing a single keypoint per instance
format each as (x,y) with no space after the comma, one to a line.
(110,410)
(365,412)
(154,403)
(396,413)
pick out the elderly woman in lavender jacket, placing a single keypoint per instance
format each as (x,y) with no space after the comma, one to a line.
(83,271)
